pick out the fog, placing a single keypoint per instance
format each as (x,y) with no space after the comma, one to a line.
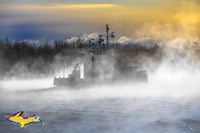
(174,77)
(168,102)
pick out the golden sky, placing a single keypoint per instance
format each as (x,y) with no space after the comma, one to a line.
(147,19)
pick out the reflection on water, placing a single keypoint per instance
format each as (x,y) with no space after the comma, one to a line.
(87,111)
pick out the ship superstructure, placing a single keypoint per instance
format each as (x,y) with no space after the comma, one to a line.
(99,66)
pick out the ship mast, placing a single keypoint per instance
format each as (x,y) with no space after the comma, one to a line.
(107,33)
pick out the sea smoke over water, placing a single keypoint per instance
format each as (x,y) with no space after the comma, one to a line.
(169,102)
(173,67)
(161,39)
(175,76)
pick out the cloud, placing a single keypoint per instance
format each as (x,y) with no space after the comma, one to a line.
(82,6)
(164,20)
(124,40)
(64,6)
(83,38)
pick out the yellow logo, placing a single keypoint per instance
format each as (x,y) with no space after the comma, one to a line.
(23,120)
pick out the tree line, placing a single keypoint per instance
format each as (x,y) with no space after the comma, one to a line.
(40,59)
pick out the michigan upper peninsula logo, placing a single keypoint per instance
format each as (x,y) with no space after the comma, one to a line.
(23,120)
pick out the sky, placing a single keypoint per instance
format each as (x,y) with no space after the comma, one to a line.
(61,19)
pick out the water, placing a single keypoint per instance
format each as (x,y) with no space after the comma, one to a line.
(95,110)
(169,103)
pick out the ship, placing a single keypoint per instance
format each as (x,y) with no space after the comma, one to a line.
(99,66)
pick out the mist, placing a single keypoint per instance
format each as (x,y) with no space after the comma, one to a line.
(145,81)
(172,70)
(168,102)
(176,75)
